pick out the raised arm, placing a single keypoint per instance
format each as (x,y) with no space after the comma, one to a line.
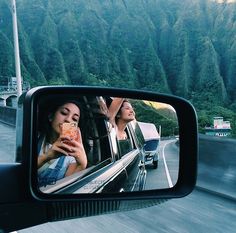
(114,108)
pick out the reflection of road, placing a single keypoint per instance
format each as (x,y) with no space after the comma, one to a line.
(166,174)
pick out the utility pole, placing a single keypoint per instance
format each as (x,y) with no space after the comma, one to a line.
(16,49)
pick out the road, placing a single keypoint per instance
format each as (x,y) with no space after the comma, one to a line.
(199,212)
(166,174)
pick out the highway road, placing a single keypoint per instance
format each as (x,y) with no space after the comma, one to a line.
(201,211)
(166,174)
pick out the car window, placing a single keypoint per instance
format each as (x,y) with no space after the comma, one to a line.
(100,150)
(126,145)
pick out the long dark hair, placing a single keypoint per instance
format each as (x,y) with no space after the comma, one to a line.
(47,112)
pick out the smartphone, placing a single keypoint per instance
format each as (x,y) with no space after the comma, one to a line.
(70,130)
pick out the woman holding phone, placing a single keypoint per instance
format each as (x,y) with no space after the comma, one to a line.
(60,148)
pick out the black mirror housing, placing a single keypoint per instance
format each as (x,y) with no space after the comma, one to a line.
(187,133)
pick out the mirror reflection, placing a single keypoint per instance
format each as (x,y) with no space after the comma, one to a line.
(94,144)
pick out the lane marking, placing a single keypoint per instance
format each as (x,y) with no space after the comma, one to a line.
(166,167)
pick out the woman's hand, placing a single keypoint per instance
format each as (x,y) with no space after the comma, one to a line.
(68,147)
(58,147)
(75,148)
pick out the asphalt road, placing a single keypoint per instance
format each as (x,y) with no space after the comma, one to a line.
(166,174)
(200,212)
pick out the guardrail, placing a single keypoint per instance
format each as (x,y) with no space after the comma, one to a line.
(217,165)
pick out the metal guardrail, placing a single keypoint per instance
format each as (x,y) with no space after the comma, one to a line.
(217,165)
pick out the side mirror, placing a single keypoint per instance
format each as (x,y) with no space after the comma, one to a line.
(155,160)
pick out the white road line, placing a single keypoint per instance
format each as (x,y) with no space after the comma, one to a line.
(166,167)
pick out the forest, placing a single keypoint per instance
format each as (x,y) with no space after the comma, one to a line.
(185,48)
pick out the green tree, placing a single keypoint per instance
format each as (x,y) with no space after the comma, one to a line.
(54,68)
(6,56)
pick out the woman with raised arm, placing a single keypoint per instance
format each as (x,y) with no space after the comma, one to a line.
(121,113)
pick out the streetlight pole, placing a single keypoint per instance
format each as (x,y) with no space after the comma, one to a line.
(16,49)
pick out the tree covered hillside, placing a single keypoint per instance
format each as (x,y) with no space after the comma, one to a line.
(186,48)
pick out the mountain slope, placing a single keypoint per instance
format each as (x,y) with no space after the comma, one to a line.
(186,48)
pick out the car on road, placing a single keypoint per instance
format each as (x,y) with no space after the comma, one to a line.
(152,140)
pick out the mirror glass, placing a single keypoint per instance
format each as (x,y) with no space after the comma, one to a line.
(103,144)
